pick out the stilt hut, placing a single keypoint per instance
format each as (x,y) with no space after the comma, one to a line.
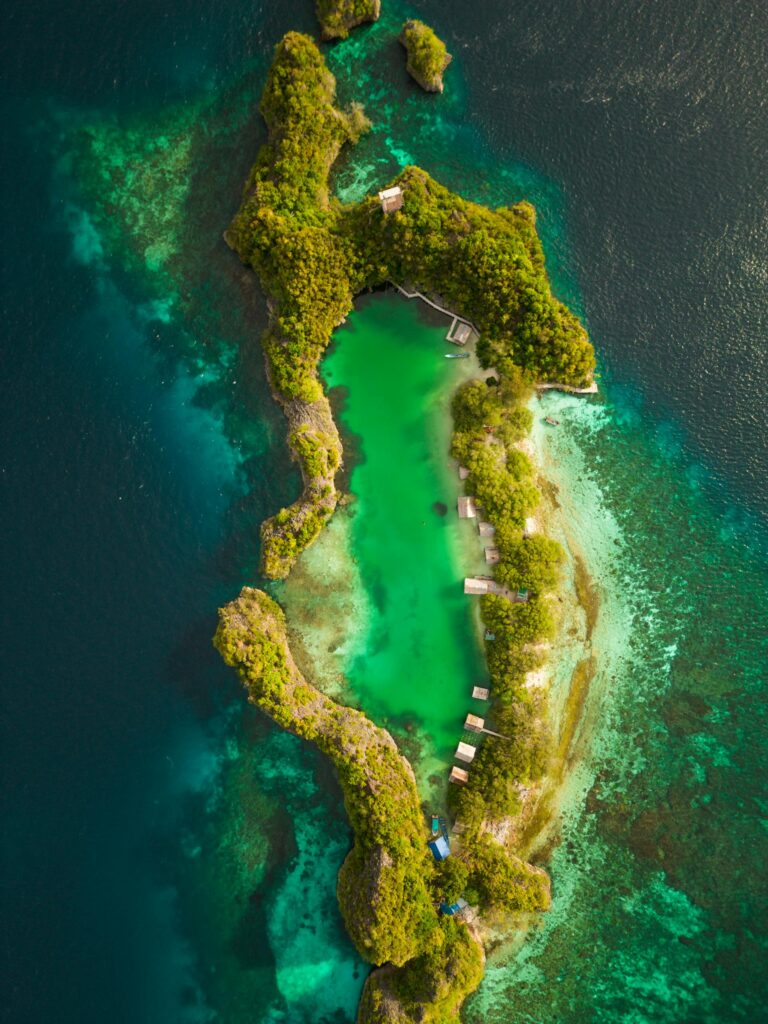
(474,724)
(459,776)
(480,693)
(465,752)
(478,585)
(467,508)
(460,332)
(492,555)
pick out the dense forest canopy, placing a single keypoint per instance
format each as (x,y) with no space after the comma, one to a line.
(315,254)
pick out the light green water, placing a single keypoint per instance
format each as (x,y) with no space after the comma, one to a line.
(420,656)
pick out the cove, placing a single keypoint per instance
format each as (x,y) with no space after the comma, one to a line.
(420,655)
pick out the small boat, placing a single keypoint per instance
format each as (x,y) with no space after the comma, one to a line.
(435,824)
(551,421)
(457,355)
(444,827)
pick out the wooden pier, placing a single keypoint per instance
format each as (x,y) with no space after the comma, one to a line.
(591,389)
(462,329)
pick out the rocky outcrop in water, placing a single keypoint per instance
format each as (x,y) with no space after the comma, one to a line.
(338,17)
(427,55)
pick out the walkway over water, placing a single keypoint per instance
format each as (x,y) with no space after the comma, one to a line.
(421,657)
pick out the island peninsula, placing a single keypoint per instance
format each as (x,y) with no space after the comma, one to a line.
(313,256)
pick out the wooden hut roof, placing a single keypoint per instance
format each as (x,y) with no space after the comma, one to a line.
(475,585)
(473,723)
(391,199)
(467,507)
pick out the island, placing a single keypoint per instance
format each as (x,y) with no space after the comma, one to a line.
(402,905)
(337,17)
(427,55)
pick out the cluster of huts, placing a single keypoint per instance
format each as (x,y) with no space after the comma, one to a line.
(469,508)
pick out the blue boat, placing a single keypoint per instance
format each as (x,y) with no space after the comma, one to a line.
(452,909)
(435,824)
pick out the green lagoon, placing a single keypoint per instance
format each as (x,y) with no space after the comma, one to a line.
(416,651)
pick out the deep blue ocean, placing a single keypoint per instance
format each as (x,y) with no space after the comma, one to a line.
(166,855)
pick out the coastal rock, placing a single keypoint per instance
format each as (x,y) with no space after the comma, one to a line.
(427,55)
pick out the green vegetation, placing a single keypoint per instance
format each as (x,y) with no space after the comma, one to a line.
(499,881)
(429,989)
(427,56)
(314,255)
(317,448)
(337,17)
(488,422)
(387,886)
(489,877)
(383,886)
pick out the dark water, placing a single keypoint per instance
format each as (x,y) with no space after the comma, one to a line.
(652,118)
(159,841)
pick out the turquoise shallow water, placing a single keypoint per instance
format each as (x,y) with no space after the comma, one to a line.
(658,877)
(177,836)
